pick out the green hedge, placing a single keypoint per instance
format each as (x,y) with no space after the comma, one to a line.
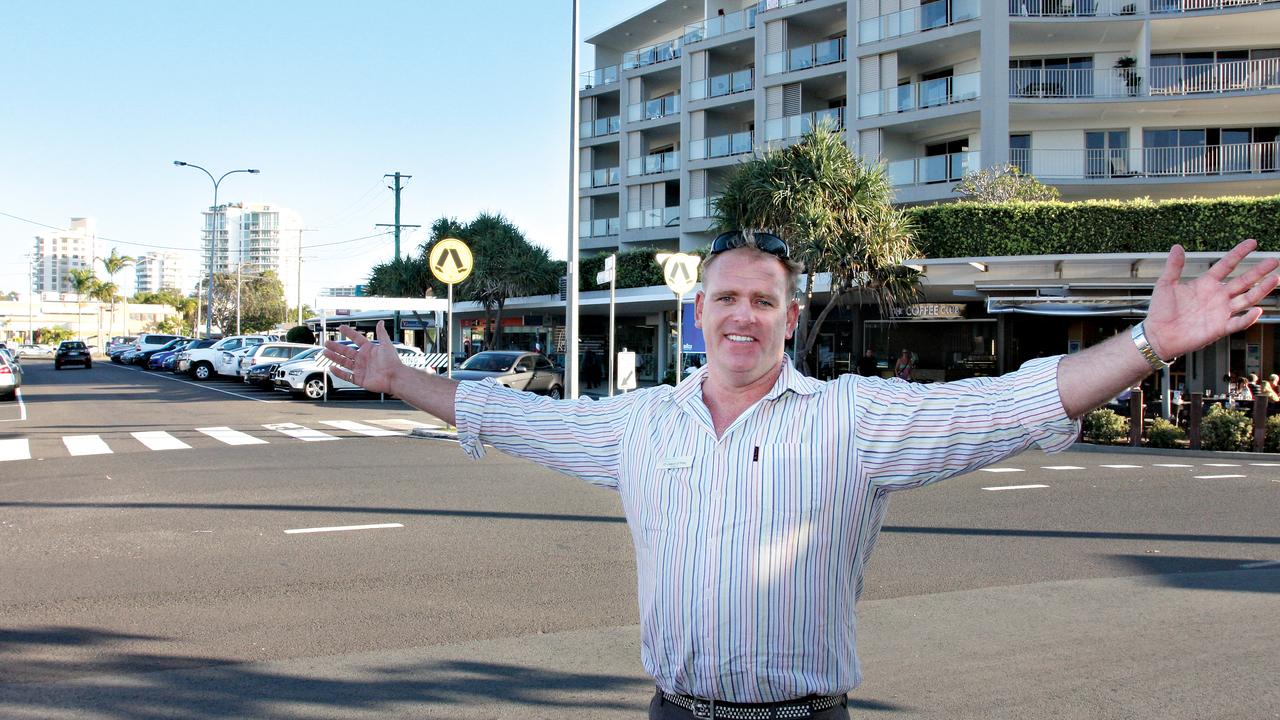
(966,229)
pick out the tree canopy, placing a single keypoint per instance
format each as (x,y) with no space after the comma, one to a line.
(1003,183)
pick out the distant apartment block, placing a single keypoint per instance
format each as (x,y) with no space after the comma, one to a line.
(344,291)
(1100,98)
(57,253)
(156,271)
(257,237)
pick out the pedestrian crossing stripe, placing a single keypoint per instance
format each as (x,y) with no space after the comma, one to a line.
(413,360)
(231,437)
(15,449)
(85,445)
(361,428)
(302,433)
(160,440)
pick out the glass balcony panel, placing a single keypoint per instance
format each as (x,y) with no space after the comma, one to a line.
(599,227)
(965,87)
(868,31)
(965,10)
(719,85)
(935,92)
(671,216)
(800,58)
(742,81)
(775,129)
(740,143)
(904,98)
(585,128)
(635,112)
(933,169)
(869,103)
(933,14)
(775,63)
(584,179)
(698,89)
(719,146)
(902,172)
(828,51)
(613,226)
(698,150)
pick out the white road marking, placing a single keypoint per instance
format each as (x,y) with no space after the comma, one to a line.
(355,427)
(403,424)
(22,407)
(1001,470)
(85,445)
(1217,477)
(1264,563)
(231,437)
(1172,465)
(204,385)
(15,449)
(1061,467)
(343,528)
(302,433)
(1222,464)
(1015,487)
(1265,464)
(160,440)
(1121,467)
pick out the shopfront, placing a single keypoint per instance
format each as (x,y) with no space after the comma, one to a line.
(948,341)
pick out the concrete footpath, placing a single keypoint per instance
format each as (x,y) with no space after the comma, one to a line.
(1195,645)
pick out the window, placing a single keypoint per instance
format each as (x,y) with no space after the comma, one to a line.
(543,363)
(1020,152)
(1107,153)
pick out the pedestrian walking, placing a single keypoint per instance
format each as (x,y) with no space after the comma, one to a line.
(591,370)
(755,494)
(869,364)
(905,364)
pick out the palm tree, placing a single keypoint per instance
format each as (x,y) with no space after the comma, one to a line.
(82,281)
(104,292)
(835,213)
(114,263)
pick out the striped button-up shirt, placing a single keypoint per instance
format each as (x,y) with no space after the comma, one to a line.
(750,546)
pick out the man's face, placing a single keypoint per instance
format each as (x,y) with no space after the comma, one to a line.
(745,314)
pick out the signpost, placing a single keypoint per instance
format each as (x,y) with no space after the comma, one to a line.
(680,270)
(610,275)
(626,370)
(451,262)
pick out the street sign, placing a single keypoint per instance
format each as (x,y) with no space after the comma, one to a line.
(451,261)
(604,276)
(626,370)
(680,271)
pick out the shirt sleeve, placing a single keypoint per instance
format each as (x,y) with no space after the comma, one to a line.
(910,434)
(581,438)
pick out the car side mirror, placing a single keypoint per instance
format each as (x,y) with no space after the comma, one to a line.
(522,368)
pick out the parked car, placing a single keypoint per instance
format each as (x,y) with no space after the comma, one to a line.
(10,376)
(306,376)
(10,355)
(528,371)
(268,353)
(148,341)
(72,352)
(119,344)
(158,360)
(34,350)
(200,362)
(142,357)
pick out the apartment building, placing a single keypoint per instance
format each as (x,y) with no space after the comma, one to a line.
(57,253)
(156,271)
(257,237)
(1101,98)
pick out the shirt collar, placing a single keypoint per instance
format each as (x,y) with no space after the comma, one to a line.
(788,379)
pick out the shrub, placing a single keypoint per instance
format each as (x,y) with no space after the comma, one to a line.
(1223,429)
(1164,434)
(1105,426)
(300,334)
(1272,441)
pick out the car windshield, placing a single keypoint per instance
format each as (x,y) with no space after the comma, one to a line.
(491,362)
(306,354)
(72,346)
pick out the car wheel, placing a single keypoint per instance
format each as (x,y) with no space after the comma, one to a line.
(202,371)
(88,365)
(314,388)
(554,393)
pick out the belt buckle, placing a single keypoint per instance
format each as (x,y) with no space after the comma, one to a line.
(702,710)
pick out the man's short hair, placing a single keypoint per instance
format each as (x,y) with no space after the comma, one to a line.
(793,267)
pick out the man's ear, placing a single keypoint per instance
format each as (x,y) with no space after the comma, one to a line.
(793,316)
(697,310)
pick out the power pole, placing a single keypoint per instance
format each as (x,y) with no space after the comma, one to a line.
(299,286)
(395,322)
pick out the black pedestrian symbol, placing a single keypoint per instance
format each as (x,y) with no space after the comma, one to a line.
(457,260)
(679,268)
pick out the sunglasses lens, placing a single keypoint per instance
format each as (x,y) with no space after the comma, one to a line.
(766,242)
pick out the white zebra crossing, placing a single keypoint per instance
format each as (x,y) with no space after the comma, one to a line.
(86,445)
(15,449)
(361,428)
(404,424)
(302,433)
(160,440)
(231,437)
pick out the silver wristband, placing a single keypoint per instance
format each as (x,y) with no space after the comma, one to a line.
(1139,335)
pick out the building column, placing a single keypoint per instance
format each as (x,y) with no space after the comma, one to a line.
(994,84)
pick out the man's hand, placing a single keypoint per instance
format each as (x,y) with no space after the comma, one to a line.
(1185,317)
(372,366)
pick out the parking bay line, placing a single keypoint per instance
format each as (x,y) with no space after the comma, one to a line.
(361,428)
(160,440)
(295,430)
(342,528)
(15,449)
(85,445)
(1061,467)
(1015,487)
(205,385)
(22,408)
(231,437)
(1171,465)
(1263,564)
(1001,470)
(1217,477)
(1121,467)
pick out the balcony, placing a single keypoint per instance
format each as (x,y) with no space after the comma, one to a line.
(600,127)
(1165,80)
(661,52)
(919,96)
(1129,163)
(598,77)
(600,227)
(721,146)
(1112,8)
(767,5)
(797,125)
(654,109)
(654,164)
(653,218)
(601,177)
(1159,7)
(702,207)
(720,25)
(720,85)
(933,169)
(804,57)
(930,16)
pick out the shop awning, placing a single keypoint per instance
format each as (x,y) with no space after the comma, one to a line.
(1067,307)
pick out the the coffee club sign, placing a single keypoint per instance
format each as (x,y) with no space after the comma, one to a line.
(930,311)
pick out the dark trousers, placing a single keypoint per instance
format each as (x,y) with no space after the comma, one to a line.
(662,710)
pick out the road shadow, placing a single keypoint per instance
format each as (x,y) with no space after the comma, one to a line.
(1082,534)
(1198,573)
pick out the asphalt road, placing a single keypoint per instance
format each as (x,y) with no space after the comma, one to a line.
(160,583)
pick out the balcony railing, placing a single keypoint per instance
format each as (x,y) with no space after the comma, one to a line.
(933,169)
(1105,8)
(600,127)
(806,56)
(1203,160)
(600,177)
(797,125)
(1181,6)
(738,143)
(727,84)
(930,16)
(600,227)
(918,96)
(598,77)
(1236,76)
(654,164)
(654,109)
(767,5)
(653,218)
(720,25)
(661,52)
(702,207)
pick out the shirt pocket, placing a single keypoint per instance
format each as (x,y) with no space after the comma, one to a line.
(786,479)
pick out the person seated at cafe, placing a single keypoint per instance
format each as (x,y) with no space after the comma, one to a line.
(1237,388)
(1268,389)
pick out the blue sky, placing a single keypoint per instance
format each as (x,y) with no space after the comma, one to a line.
(471,98)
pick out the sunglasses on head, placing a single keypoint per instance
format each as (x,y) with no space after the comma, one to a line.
(762,241)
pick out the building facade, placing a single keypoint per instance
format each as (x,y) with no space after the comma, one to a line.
(257,237)
(57,253)
(157,271)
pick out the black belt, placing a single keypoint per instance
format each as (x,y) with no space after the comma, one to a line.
(717,710)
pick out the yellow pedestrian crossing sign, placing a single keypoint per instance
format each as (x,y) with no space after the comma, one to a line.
(451,261)
(679,270)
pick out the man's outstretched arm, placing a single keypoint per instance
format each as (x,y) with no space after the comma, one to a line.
(376,367)
(1183,317)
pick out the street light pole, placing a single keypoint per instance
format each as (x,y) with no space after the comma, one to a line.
(213,236)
